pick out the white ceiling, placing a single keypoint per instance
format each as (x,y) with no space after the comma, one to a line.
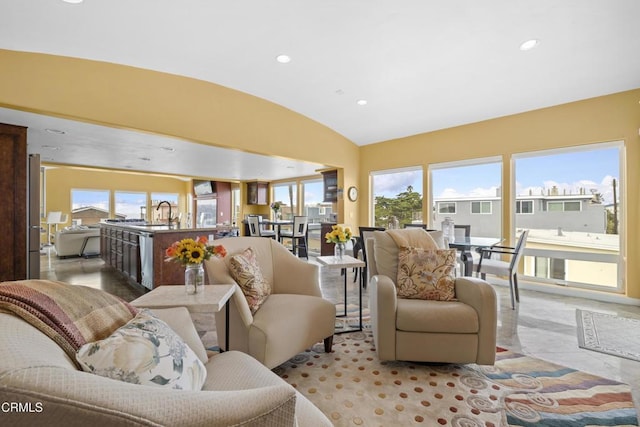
(421,65)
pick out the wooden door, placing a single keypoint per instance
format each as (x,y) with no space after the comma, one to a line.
(13,208)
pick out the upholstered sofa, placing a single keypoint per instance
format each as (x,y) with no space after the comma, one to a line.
(41,386)
(462,330)
(293,318)
(73,242)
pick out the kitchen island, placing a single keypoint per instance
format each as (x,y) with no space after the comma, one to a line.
(138,251)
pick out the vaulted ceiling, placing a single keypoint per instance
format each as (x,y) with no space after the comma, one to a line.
(370,70)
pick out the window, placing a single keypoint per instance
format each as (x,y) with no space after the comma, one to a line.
(397,197)
(130,205)
(206,212)
(316,210)
(524,206)
(162,214)
(468,191)
(554,206)
(571,206)
(563,206)
(287,194)
(574,235)
(550,268)
(481,207)
(89,206)
(446,207)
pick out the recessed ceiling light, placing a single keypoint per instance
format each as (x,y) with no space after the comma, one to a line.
(55,131)
(362,102)
(283,59)
(73,1)
(529,44)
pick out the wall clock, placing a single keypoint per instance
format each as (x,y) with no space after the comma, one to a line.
(352,193)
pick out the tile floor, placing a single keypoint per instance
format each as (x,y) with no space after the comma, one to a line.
(543,325)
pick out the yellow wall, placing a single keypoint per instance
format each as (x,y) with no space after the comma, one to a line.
(199,111)
(167,104)
(61,180)
(608,118)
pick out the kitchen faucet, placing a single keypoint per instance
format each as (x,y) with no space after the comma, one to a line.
(168,204)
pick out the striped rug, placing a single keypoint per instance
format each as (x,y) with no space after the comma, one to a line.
(352,387)
(540,393)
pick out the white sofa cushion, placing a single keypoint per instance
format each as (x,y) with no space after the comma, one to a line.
(179,319)
(145,351)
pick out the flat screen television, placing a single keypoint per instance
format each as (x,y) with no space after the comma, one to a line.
(203,188)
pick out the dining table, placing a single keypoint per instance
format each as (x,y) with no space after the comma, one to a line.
(275,224)
(466,244)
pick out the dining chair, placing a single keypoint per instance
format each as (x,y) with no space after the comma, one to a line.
(365,233)
(298,235)
(424,226)
(461,232)
(256,230)
(498,267)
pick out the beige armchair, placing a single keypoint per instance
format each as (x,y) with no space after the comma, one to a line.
(462,331)
(293,317)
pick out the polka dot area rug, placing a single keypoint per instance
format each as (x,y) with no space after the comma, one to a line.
(352,387)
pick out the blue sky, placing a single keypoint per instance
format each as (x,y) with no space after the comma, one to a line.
(592,169)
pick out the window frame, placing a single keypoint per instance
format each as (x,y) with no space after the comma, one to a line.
(481,202)
(409,169)
(519,207)
(455,208)
(618,258)
(563,203)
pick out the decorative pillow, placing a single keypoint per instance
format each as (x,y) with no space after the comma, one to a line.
(246,272)
(144,351)
(386,251)
(426,274)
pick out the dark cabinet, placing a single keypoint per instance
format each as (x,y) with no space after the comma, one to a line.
(257,193)
(13,212)
(330,179)
(120,249)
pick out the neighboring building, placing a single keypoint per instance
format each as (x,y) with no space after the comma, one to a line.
(88,215)
(572,256)
(572,212)
(319,213)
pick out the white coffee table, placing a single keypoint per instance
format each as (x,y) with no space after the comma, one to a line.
(212,299)
(347,261)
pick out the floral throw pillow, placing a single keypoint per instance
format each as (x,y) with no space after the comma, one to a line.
(246,272)
(426,274)
(145,351)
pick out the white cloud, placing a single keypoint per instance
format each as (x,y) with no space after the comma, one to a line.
(452,193)
(604,187)
(395,183)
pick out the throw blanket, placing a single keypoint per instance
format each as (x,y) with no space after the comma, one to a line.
(71,315)
(413,237)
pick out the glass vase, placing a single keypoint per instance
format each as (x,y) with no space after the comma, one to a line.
(339,250)
(194,278)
